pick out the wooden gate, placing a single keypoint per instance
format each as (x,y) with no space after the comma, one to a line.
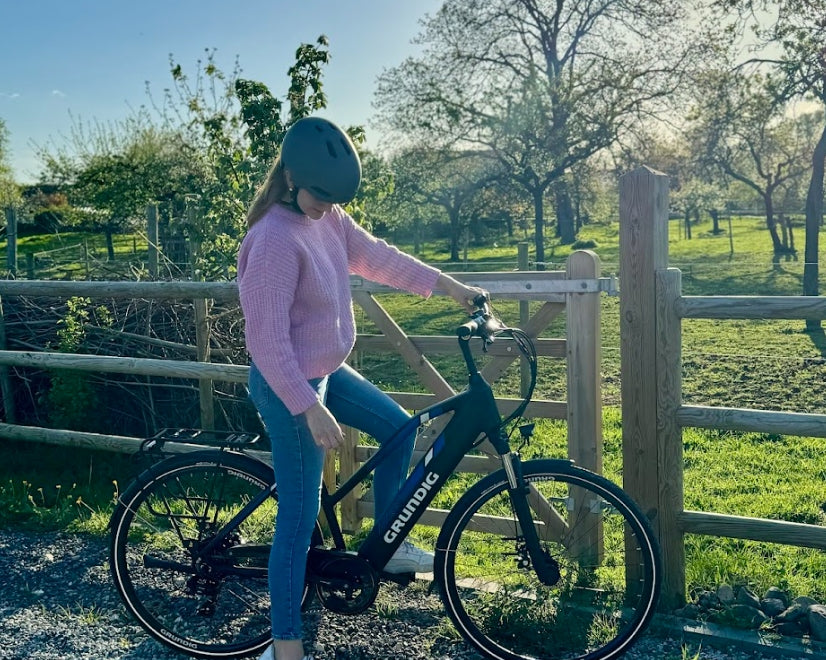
(575,291)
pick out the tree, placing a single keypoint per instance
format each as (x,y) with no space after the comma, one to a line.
(9,190)
(377,185)
(115,170)
(742,129)
(446,179)
(208,145)
(541,85)
(796,29)
(236,126)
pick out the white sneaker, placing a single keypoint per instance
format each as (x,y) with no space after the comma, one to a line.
(268,655)
(409,559)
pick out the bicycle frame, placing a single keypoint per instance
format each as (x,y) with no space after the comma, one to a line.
(475,414)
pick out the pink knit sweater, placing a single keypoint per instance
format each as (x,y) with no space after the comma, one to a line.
(294,286)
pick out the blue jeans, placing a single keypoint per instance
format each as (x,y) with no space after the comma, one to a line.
(298,462)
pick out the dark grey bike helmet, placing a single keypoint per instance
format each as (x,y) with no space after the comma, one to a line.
(322,159)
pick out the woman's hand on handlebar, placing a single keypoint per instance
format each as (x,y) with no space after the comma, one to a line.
(461,293)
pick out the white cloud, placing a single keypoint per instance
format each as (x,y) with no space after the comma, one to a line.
(57,92)
(13,95)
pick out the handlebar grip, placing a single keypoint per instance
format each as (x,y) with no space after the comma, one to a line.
(478,320)
(467,330)
(481,301)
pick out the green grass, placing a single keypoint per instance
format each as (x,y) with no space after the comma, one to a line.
(43,487)
(76,255)
(772,365)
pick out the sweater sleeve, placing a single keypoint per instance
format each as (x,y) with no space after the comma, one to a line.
(266,289)
(381,262)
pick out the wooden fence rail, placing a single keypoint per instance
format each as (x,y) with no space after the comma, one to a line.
(575,291)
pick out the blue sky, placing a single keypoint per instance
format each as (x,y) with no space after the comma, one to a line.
(89,60)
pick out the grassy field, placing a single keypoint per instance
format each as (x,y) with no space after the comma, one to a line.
(773,365)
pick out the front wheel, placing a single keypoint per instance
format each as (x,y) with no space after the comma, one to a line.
(600,574)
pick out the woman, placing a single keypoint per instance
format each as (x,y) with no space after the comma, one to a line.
(294,272)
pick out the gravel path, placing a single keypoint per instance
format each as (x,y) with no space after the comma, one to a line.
(57,602)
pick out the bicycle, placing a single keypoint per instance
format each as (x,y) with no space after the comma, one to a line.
(540,559)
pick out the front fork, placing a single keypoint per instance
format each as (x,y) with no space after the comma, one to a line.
(545,566)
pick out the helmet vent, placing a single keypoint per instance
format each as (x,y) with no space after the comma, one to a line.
(331,149)
(345,146)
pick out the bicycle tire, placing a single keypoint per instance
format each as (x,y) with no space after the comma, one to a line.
(596,609)
(169,510)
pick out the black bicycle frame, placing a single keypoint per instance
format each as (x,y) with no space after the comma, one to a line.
(475,413)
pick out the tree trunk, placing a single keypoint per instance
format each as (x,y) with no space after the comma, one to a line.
(814,216)
(564,213)
(715,221)
(110,243)
(539,228)
(455,233)
(771,224)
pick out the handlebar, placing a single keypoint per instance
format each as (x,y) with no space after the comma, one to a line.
(482,322)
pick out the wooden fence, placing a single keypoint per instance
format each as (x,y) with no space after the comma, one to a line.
(652,307)
(575,291)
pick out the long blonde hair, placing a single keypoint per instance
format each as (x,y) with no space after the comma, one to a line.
(272,191)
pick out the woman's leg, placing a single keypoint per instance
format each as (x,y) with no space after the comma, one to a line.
(356,402)
(298,464)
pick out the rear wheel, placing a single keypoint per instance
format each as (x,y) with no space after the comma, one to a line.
(600,570)
(211,606)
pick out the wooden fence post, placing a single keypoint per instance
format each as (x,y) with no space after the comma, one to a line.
(583,345)
(643,255)
(5,379)
(152,239)
(348,462)
(524,314)
(84,259)
(205,385)
(11,241)
(206,389)
(670,437)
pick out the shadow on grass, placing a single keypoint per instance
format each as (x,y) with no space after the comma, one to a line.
(818,337)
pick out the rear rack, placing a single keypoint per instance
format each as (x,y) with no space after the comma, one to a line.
(224,439)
